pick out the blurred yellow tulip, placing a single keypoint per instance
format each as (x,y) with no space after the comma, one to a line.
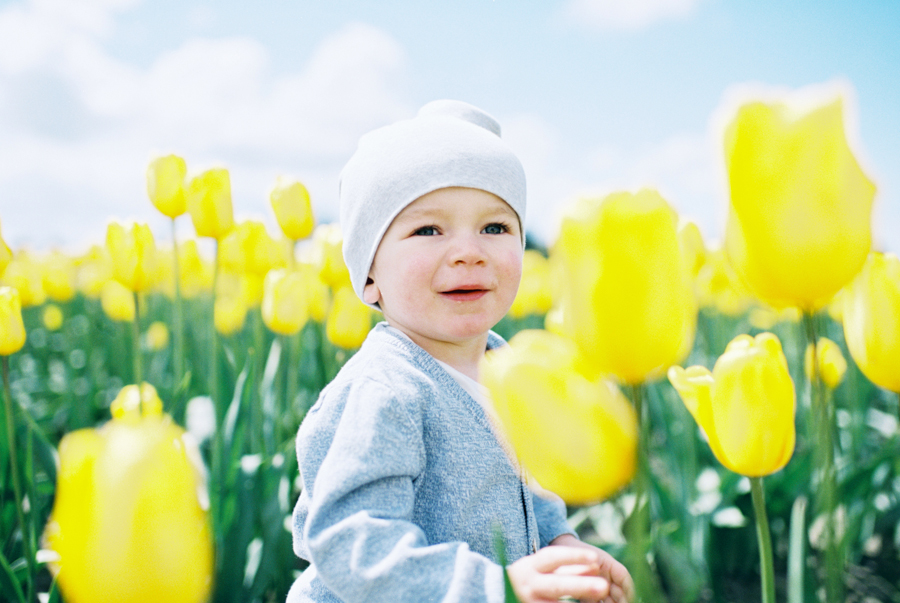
(832,365)
(12,329)
(117,301)
(59,277)
(745,406)
(165,184)
(284,304)
(52,317)
(196,272)
(349,320)
(719,287)
(622,291)
(93,269)
(692,247)
(229,313)
(872,320)
(799,225)
(133,254)
(209,203)
(157,336)
(576,436)
(533,296)
(130,516)
(328,257)
(293,210)
(26,275)
(248,248)
(5,255)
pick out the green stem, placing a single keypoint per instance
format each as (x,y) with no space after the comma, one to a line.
(177,313)
(292,345)
(823,417)
(766,563)
(639,521)
(218,449)
(136,339)
(14,471)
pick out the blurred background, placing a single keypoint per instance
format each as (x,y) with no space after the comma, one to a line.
(594,95)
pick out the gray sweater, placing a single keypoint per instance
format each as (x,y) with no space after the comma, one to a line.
(403,484)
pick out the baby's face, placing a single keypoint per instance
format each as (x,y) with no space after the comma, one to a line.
(448,267)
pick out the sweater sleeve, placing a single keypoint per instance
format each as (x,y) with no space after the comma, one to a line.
(359,530)
(550,512)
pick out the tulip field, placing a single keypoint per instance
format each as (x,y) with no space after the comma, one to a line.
(721,416)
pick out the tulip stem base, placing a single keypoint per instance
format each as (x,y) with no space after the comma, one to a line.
(16,481)
(766,562)
(177,320)
(136,337)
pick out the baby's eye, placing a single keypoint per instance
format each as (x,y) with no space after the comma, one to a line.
(495,228)
(426,231)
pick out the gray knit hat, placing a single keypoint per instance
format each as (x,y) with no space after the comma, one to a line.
(448,143)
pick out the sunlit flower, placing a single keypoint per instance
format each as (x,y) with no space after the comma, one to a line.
(130,515)
(133,254)
(745,406)
(349,320)
(293,210)
(533,296)
(831,363)
(799,226)
(117,301)
(12,328)
(209,203)
(576,436)
(165,184)
(622,291)
(872,320)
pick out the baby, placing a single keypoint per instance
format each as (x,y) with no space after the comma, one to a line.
(405,483)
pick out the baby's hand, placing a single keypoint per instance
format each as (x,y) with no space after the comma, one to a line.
(621,586)
(564,571)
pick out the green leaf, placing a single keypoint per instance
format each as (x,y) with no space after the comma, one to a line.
(8,580)
(500,551)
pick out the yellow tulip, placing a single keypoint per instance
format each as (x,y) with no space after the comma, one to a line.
(229,313)
(832,365)
(52,317)
(133,254)
(157,336)
(576,436)
(293,210)
(349,320)
(93,269)
(6,255)
(533,296)
(622,291)
(872,320)
(59,277)
(130,518)
(327,255)
(12,329)
(719,287)
(196,272)
(165,184)
(745,406)
(692,247)
(27,275)
(284,302)
(248,248)
(117,301)
(799,225)
(209,203)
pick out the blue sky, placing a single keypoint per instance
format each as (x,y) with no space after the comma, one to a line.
(594,95)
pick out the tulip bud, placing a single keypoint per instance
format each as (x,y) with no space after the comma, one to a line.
(133,254)
(6,255)
(872,320)
(327,242)
(533,296)
(745,406)
(209,203)
(117,301)
(92,272)
(831,363)
(229,314)
(293,210)
(52,317)
(165,184)
(27,276)
(130,517)
(349,320)
(12,329)
(248,248)
(576,436)
(284,303)
(799,225)
(157,336)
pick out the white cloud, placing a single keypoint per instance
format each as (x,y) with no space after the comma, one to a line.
(627,14)
(83,123)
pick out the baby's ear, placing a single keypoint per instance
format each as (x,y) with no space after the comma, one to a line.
(371,294)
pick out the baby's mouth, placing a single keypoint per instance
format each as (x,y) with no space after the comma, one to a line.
(464,294)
